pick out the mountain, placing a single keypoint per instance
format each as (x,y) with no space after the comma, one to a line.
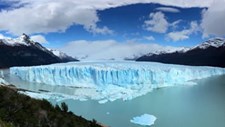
(63,56)
(209,53)
(23,51)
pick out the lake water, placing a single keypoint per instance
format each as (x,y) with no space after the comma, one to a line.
(201,105)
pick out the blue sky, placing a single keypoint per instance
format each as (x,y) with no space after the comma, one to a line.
(60,24)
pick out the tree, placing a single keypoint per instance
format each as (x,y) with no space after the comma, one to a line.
(57,108)
(64,107)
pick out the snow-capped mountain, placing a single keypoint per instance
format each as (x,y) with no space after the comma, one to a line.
(22,40)
(208,53)
(63,56)
(180,49)
(216,42)
(22,51)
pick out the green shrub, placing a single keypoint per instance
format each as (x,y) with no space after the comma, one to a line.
(22,111)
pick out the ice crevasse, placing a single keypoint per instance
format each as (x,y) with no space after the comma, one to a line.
(122,74)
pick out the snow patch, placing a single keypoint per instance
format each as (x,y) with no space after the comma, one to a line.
(58,53)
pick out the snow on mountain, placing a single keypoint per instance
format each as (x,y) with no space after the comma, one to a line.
(215,42)
(178,49)
(23,51)
(58,53)
(62,55)
(25,40)
(209,53)
(22,40)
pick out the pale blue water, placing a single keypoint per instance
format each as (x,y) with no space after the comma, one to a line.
(202,105)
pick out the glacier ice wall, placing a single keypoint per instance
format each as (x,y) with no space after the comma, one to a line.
(122,74)
(2,80)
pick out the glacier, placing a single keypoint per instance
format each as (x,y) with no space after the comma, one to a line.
(125,74)
(111,80)
(2,80)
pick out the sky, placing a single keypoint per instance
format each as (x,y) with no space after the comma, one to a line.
(112,29)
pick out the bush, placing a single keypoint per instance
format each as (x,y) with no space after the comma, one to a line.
(22,111)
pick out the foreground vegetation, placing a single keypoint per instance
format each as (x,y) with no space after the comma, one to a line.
(5,124)
(18,110)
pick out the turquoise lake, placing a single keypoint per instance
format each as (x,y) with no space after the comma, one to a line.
(201,105)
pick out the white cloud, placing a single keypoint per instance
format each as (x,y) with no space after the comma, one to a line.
(39,38)
(53,16)
(2,36)
(104,4)
(174,24)
(44,16)
(184,34)
(168,9)
(213,20)
(110,49)
(178,36)
(157,23)
(96,30)
(150,38)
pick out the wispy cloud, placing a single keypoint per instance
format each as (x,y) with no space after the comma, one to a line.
(150,38)
(39,38)
(185,33)
(111,49)
(168,9)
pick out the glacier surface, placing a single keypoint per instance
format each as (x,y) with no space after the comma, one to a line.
(108,81)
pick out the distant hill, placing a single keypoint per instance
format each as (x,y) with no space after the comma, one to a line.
(209,53)
(23,51)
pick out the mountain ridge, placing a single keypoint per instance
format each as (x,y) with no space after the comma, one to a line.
(208,53)
(23,51)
